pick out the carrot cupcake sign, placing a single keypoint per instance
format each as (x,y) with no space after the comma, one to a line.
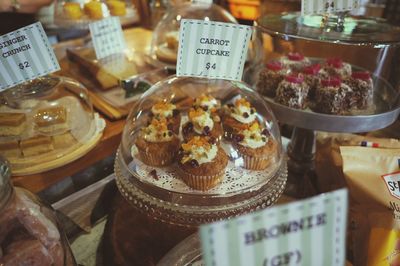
(212,49)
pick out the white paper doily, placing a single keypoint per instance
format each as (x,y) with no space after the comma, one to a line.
(236,178)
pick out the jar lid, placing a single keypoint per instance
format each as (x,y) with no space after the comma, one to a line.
(318,27)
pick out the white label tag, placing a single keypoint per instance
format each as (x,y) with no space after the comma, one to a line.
(310,7)
(309,232)
(212,49)
(392,182)
(25,54)
(107,37)
(207,2)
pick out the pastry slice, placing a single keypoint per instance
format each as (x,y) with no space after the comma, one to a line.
(36,145)
(116,7)
(51,119)
(10,149)
(12,124)
(64,141)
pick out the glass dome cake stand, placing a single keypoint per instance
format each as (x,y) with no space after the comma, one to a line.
(367,44)
(164,190)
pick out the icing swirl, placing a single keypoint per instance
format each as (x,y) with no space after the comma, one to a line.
(157,131)
(242,111)
(207,102)
(200,119)
(199,149)
(253,136)
(163,109)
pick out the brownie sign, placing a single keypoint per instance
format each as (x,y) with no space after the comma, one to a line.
(107,37)
(212,49)
(25,54)
(309,232)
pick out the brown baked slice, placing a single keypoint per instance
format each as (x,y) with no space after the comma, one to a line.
(10,149)
(51,119)
(64,141)
(36,145)
(12,124)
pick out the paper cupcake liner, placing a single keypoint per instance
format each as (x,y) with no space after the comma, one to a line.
(255,163)
(202,182)
(159,159)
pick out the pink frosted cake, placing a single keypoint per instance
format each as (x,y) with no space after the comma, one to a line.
(337,68)
(292,92)
(333,97)
(294,61)
(270,77)
(362,86)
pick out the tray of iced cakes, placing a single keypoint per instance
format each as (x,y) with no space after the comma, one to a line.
(326,94)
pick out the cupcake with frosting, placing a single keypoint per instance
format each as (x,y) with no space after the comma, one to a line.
(156,144)
(237,116)
(169,112)
(255,147)
(202,162)
(202,123)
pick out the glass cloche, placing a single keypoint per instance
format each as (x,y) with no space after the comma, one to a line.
(164,46)
(46,123)
(333,73)
(79,13)
(195,150)
(30,232)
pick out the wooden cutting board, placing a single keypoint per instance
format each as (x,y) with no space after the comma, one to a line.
(133,238)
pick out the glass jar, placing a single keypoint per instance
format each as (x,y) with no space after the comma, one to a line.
(29,231)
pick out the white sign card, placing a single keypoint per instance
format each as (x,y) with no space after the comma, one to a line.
(107,37)
(310,7)
(310,232)
(212,49)
(25,54)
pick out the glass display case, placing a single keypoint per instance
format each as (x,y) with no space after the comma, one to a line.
(196,150)
(79,13)
(46,123)
(29,230)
